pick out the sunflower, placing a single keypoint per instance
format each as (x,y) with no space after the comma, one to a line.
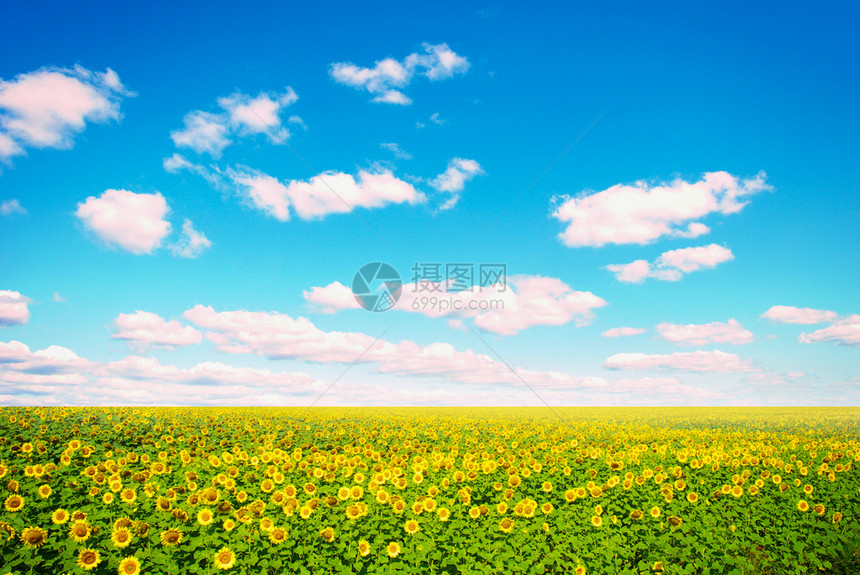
(596,520)
(225,558)
(675,521)
(443,514)
(34,537)
(580,570)
(277,535)
(393,549)
(474,512)
(129,566)
(88,559)
(204,517)
(171,537)
(547,508)
(506,524)
(820,509)
(655,512)
(327,534)
(14,503)
(363,548)
(128,496)
(107,498)
(570,495)
(737,491)
(79,531)
(229,525)
(808,489)
(802,506)
(59,516)
(121,537)
(411,527)
(44,491)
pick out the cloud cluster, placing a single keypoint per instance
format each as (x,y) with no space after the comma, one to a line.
(454,178)
(622,331)
(731,332)
(240,115)
(325,194)
(672,265)
(13,308)
(388,77)
(843,331)
(642,213)
(136,223)
(526,301)
(48,107)
(144,328)
(804,315)
(10,207)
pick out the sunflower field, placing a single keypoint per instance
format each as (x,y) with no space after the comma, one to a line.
(429,490)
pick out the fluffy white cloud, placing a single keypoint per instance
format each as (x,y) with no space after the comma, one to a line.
(454,179)
(46,108)
(242,115)
(388,77)
(13,308)
(642,213)
(622,331)
(10,207)
(192,243)
(134,222)
(844,331)
(672,265)
(327,193)
(700,334)
(54,365)
(203,132)
(144,328)
(801,315)
(526,301)
(696,361)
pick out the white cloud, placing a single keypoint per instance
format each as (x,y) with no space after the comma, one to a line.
(801,315)
(203,132)
(134,222)
(700,334)
(696,361)
(453,179)
(622,331)
(192,243)
(331,298)
(58,298)
(642,213)
(10,207)
(144,328)
(13,308)
(388,77)
(843,331)
(672,265)
(325,194)
(437,119)
(210,133)
(527,301)
(48,107)
(398,152)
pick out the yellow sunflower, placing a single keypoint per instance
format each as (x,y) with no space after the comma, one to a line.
(506,524)
(129,566)
(14,503)
(59,516)
(411,527)
(121,537)
(34,537)
(88,559)
(44,491)
(171,537)
(802,506)
(363,548)
(225,559)
(204,517)
(393,549)
(79,531)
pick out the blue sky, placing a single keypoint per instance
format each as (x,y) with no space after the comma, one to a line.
(187,191)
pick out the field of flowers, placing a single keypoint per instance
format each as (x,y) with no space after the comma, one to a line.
(429,490)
